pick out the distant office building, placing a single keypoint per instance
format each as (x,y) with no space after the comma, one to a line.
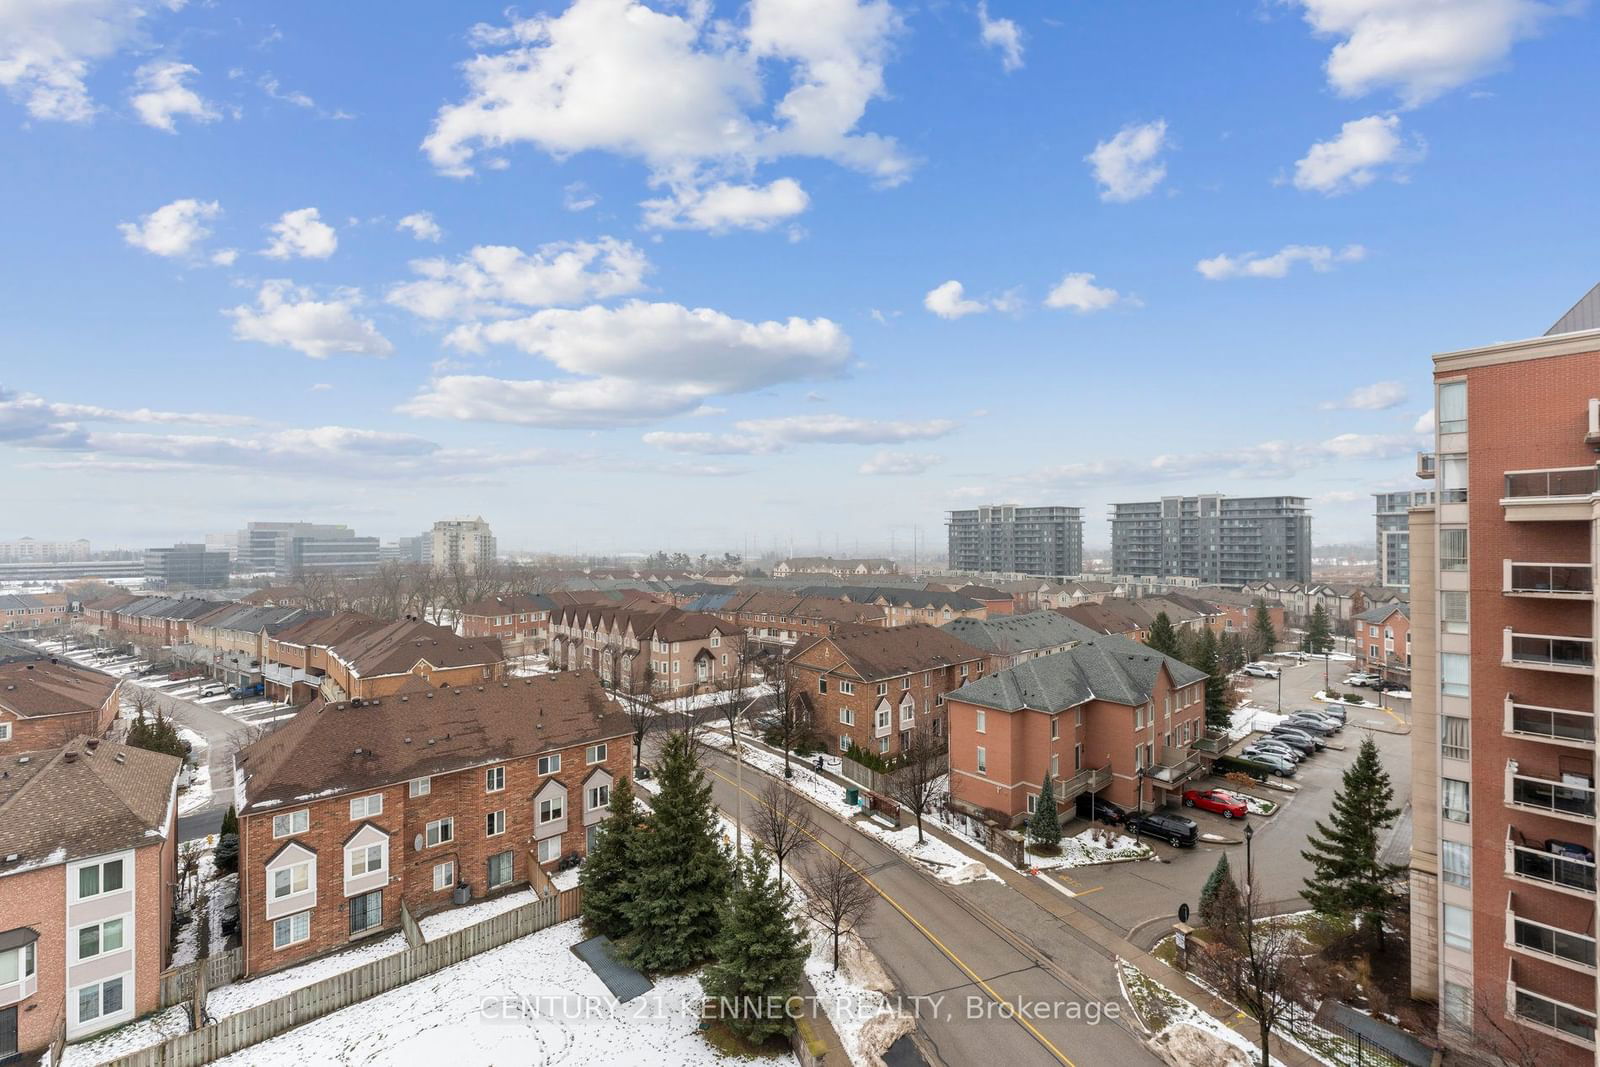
(287,548)
(465,542)
(410,549)
(1394,535)
(224,542)
(1220,540)
(28,550)
(1007,539)
(186,567)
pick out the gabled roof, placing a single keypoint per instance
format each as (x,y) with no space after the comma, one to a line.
(875,652)
(396,647)
(510,604)
(1113,616)
(1107,668)
(1383,611)
(1010,634)
(44,686)
(1584,315)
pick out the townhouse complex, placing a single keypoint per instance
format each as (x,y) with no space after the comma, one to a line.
(31,612)
(45,701)
(647,647)
(1007,539)
(1217,539)
(816,566)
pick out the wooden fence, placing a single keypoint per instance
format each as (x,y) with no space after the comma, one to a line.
(177,983)
(254,1025)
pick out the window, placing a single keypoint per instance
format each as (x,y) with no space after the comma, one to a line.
(366,807)
(295,822)
(550,850)
(881,719)
(102,998)
(5,731)
(1452,479)
(1458,927)
(883,745)
(441,831)
(1455,674)
(1458,1003)
(883,689)
(963,672)
(1452,407)
(420,787)
(982,723)
(598,796)
(17,964)
(1452,548)
(1456,797)
(97,878)
(291,930)
(444,875)
(905,683)
(366,911)
(844,742)
(494,779)
(1055,728)
(1457,857)
(908,712)
(983,760)
(1033,803)
(287,881)
(500,868)
(595,754)
(553,809)
(847,716)
(846,688)
(1453,611)
(550,764)
(1055,766)
(822,685)
(98,938)
(366,860)
(716,641)
(1455,736)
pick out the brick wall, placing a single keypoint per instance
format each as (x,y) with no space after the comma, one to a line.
(927,687)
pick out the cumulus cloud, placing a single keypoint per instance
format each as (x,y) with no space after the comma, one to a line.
(289,316)
(1003,35)
(727,206)
(174,230)
(48,49)
(1320,258)
(1425,423)
(762,436)
(1421,48)
(899,463)
(1355,157)
(1128,165)
(949,301)
(594,403)
(495,281)
(1077,292)
(225,257)
(161,94)
(421,226)
(712,444)
(301,233)
(1379,396)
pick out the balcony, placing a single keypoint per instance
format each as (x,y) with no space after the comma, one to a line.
(1426,464)
(1547,652)
(1557,494)
(1088,780)
(1550,581)
(1568,948)
(1175,766)
(1566,1021)
(1539,866)
(1571,798)
(1553,726)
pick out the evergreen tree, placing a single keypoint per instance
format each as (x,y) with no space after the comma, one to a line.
(1319,635)
(681,871)
(760,956)
(605,874)
(1163,638)
(1218,893)
(230,823)
(1348,879)
(227,854)
(1230,651)
(158,735)
(1263,638)
(1044,825)
(1219,707)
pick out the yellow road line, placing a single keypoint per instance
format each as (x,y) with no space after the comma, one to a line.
(1006,1009)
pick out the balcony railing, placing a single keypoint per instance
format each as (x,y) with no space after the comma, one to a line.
(1566,1021)
(1566,947)
(1571,799)
(1548,652)
(1567,580)
(1555,482)
(1426,464)
(1563,873)
(1088,780)
(1574,729)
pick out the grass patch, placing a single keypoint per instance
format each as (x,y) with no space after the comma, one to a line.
(724,1040)
(1155,1003)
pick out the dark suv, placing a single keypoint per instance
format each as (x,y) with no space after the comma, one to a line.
(1092,807)
(1179,830)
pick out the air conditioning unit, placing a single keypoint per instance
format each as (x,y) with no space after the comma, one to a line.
(462,894)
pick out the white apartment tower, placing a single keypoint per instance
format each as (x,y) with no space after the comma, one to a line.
(464,542)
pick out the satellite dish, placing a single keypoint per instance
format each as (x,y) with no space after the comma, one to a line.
(416,846)
(1183,913)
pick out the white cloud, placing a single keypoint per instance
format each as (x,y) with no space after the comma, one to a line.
(578,197)
(1342,496)
(495,280)
(1352,159)
(225,257)
(421,226)
(173,230)
(1002,35)
(1379,396)
(763,436)
(1250,265)
(1127,166)
(1425,423)
(48,47)
(568,404)
(726,206)
(590,78)
(948,301)
(290,316)
(1421,48)
(160,95)
(899,463)
(301,233)
(712,444)
(273,88)
(1078,292)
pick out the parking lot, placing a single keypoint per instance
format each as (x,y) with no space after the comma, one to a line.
(1142,898)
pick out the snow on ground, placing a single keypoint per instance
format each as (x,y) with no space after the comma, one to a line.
(1248,718)
(198,795)
(186,946)
(142,1033)
(232,999)
(1359,702)
(854,997)
(1256,805)
(1150,998)
(528,1002)
(1091,847)
(450,920)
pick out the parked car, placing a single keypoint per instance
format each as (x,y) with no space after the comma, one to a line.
(213,689)
(1092,806)
(1389,687)
(243,691)
(1273,744)
(1261,670)
(1363,681)
(1280,764)
(1179,830)
(1312,724)
(1301,739)
(1220,801)
(1330,711)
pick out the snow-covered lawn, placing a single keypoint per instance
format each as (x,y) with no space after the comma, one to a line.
(1160,1009)
(141,1033)
(198,794)
(450,920)
(1250,718)
(1358,702)
(232,999)
(1256,805)
(1090,847)
(854,997)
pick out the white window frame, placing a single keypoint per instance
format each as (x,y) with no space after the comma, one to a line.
(304,867)
(981,722)
(1465,795)
(444,876)
(597,796)
(494,780)
(550,764)
(439,832)
(1459,938)
(494,823)
(75,936)
(289,819)
(1455,863)
(75,877)
(595,754)
(983,760)
(552,809)
(846,687)
(5,731)
(419,787)
(551,845)
(847,716)
(366,807)
(365,853)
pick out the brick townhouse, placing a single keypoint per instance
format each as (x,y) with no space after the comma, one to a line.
(1013,639)
(352,808)
(31,612)
(230,643)
(777,619)
(521,621)
(45,701)
(150,621)
(871,686)
(88,864)
(838,568)
(680,652)
(1108,716)
(1114,615)
(1383,642)
(1238,612)
(353,656)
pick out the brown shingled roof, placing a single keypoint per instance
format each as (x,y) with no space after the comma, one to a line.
(31,688)
(877,652)
(395,647)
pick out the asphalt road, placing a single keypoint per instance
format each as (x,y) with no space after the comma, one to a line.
(964,949)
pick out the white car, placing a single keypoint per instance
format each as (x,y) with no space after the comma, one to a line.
(213,689)
(1261,670)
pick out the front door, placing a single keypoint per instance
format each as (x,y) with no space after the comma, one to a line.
(8,1033)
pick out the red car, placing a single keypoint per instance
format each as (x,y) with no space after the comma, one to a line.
(1220,801)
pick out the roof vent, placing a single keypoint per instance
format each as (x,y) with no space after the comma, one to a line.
(430,694)
(24,759)
(121,757)
(30,666)
(404,698)
(92,744)
(12,857)
(408,740)
(430,740)
(480,688)
(361,751)
(69,757)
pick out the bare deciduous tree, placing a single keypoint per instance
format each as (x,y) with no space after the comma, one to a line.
(782,822)
(794,716)
(731,700)
(837,897)
(644,712)
(919,774)
(1252,963)
(1497,1041)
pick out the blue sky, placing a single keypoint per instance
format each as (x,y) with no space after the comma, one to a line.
(620,276)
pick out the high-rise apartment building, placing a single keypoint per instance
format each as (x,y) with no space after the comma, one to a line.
(1007,539)
(465,542)
(1221,540)
(1503,904)
(29,550)
(186,567)
(1393,511)
(288,548)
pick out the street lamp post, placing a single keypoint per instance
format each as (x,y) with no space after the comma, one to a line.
(1249,868)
